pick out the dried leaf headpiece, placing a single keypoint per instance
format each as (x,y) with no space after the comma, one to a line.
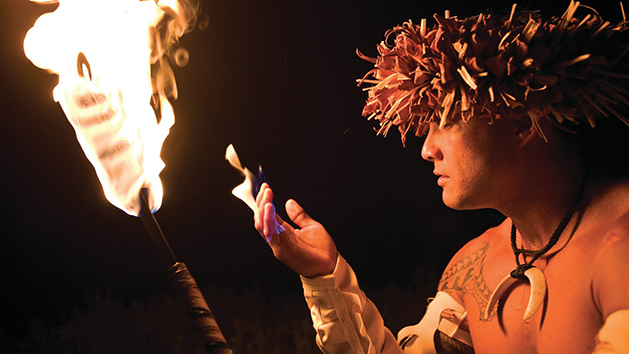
(572,71)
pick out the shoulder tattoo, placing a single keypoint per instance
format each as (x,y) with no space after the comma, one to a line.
(466,276)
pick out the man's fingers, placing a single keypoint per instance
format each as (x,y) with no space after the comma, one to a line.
(298,214)
(264,197)
(271,222)
(269,217)
(260,195)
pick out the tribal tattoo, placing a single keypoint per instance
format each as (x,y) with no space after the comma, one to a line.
(466,276)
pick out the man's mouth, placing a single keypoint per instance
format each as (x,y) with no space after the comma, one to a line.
(442,179)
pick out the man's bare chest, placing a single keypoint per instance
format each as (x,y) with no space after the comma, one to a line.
(567,321)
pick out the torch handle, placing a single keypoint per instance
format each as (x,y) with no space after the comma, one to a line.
(155,231)
(206,328)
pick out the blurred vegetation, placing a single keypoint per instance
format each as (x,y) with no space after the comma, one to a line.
(255,318)
(252,322)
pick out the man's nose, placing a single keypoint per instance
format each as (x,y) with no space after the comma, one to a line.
(430,150)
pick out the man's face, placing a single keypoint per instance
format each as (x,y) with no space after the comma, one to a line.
(473,161)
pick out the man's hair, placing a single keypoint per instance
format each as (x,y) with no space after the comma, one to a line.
(516,65)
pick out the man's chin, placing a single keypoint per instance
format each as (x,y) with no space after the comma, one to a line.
(450,202)
(456,202)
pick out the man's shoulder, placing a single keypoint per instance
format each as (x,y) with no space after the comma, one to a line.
(610,209)
(607,236)
(610,283)
(476,249)
(488,238)
(465,269)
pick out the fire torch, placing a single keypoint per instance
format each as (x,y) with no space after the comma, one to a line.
(115,80)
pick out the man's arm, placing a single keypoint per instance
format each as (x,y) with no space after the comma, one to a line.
(610,288)
(345,320)
(447,345)
(613,338)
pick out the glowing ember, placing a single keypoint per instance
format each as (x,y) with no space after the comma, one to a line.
(104,52)
(247,190)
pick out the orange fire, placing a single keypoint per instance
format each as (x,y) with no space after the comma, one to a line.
(249,188)
(245,190)
(115,81)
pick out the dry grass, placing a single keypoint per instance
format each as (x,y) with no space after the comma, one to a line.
(254,319)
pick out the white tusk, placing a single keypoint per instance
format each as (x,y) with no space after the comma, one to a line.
(538,291)
(497,294)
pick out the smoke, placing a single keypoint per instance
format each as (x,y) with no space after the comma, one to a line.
(179,19)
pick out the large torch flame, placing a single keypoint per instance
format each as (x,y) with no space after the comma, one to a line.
(105,52)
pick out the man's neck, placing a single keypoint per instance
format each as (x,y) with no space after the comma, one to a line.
(542,203)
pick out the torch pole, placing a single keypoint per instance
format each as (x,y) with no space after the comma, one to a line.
(205,325)
(154,231)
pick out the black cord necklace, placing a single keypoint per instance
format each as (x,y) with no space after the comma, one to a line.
(527,270)
(522,267)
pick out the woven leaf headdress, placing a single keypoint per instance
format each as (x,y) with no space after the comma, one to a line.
(572,71)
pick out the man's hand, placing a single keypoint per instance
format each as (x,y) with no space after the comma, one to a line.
(308,250)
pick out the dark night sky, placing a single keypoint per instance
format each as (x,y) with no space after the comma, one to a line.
(275,78)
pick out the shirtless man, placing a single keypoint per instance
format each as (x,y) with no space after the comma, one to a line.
(572,294)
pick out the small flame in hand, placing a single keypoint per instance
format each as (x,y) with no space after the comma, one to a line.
(114,84)
(247,190)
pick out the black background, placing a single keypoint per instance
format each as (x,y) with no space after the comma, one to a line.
(275,78)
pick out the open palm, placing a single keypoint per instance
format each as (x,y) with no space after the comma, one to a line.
(309,250)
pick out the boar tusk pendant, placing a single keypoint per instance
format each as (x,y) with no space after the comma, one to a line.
(537,281)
